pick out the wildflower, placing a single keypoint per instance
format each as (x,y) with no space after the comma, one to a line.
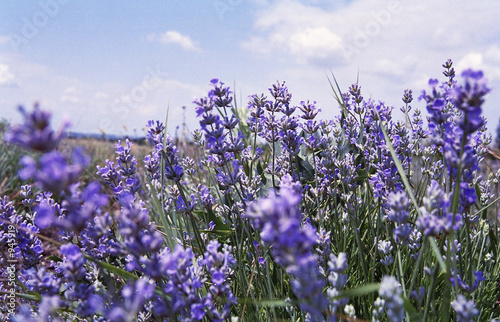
(418,295)
(435,216)
(337,267)
(256,106)
(350,311)
(466,310)
(80,206)
(36,133)
(72,266)
(42,281)
(140,235)
(464,286)
(278,218)
(26,194)
(468,98)
(378,309)
(134,295)
(390,291)
(26,244)
(385,247)
(52,172)
(218,265)
(155,132)
(310,111)
(398,204)
(48,306)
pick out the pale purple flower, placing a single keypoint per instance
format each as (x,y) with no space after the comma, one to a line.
(36,133)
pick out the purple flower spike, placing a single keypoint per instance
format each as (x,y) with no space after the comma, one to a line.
(278,218)
(44,215)
(36,133)
(466,310)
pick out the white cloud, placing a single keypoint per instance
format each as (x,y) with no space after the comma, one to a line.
(101,95)
(71,95)
(488,61)
(365,30)
(472,60)
(316,44)
(174,37)
(6,77)
(4,39)
(390,45)
(316,36)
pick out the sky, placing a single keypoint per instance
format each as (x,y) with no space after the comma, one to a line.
(110,66)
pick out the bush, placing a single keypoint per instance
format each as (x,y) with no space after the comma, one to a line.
(276,215)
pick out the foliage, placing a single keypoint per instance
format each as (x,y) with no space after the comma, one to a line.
(276,215)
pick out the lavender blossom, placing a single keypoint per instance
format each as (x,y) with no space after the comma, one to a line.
(398,204)
(435,216)
(36,133)
(140,236)
(390,291)
(466,310)
(218,265)
(337,280)
(17,231)
(52,172)
(278,218)
(134,296)
(469,98)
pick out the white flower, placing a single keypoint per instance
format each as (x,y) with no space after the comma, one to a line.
(349,310)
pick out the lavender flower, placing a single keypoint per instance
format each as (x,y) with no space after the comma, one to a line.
(337,279)
(36,133)
(398,204)
(122,177)
(155,132)
(390,291)
(466,310)
(218,265)
(278,218)
(52,173)
(81,206)
(26,244)
(72,266)
(469,98)
(26,193)
(140,236)
(134,296)
(456,279)
(182,281)
(42,281)
(435,216)
(385,247)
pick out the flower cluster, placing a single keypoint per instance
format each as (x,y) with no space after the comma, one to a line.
(268,214)
(278,218)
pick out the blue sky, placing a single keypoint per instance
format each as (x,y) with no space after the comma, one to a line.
(112,65)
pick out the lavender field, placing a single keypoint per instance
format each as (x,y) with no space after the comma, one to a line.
(265,213)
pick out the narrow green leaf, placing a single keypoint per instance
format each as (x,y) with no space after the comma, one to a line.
(399,166)
(445,309)
(33,296)
(494,242)
(219,225)
(54,258)
(358,291)
(306,169)
(436,251)
(412,312)
(118,271)
(163,216)
(487,206)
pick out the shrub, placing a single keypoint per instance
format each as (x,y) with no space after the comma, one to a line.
(276,215)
